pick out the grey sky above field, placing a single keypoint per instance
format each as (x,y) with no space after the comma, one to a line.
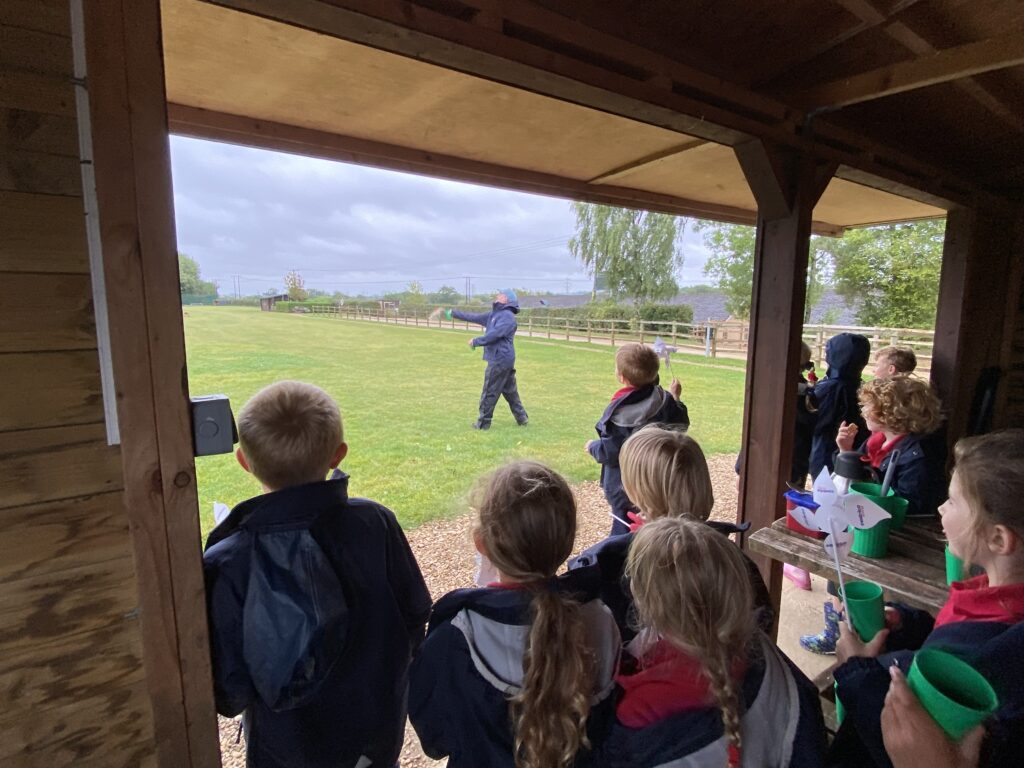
(259,214)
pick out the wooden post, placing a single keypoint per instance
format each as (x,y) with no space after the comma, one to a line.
(131,158)
(613,332)
(786,186)
(977,262)
(567,329)
(589,331)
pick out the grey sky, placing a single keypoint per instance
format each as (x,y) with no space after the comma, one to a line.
(258,214)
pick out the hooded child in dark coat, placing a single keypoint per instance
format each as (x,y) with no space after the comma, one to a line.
(836,395)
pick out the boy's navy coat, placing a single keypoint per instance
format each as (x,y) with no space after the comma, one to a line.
(624,416)
(781,725)
(993,648)
(315,606)
(499,331)
(836,396)
(471,664)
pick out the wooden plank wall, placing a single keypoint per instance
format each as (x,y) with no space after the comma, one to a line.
(1010,411)
(72,685)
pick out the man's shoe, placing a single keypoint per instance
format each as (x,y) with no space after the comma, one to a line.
(481,425)
(522,423)
(824,642)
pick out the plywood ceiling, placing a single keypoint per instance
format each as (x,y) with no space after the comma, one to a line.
(239,64)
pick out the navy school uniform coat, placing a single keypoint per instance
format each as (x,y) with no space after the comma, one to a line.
(608,560)
(315,605)
(499,332)
(920,474)
(471,664)
(994,648)
(836,396)
(624,416)
(781,725)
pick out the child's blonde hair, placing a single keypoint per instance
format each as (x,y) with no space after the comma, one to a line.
(528,527)
(638,364)
(289,432)
(665,474)
(902,359)
(903,404)
(990,471)
(691,585)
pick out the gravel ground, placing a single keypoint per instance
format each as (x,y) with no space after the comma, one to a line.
(445,553)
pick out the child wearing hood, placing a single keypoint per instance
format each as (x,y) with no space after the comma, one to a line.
(847,355)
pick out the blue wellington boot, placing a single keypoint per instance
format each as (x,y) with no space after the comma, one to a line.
(824,642)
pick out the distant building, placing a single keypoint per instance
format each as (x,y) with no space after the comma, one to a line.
(267,302)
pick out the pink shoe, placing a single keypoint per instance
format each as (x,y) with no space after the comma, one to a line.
(798,576)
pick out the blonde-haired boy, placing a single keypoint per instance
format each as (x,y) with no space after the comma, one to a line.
(639,402)
(315,601)
(894,361)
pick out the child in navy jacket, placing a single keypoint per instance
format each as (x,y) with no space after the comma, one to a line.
(836,395)
(982,622)
(518,673)
(664,471)
(639,402)
(315,601)
(708,688)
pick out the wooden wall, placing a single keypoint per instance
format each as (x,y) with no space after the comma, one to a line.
(72,685)
(1010,412)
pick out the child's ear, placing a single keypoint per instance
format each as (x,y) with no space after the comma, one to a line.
(1003,541)
(242,460)
(478,542)
(339,455)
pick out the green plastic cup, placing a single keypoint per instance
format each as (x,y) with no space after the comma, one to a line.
(867,610)
(954,693)
(891,503)
(872,542)
(840,709)
(954,567)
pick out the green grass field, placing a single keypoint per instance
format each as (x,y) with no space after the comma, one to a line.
(408,397)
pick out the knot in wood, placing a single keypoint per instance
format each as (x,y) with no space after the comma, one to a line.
(182,479)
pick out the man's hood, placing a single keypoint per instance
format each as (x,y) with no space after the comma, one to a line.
(847,355)
(511,306)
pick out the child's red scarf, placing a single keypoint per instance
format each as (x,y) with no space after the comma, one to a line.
(876,449)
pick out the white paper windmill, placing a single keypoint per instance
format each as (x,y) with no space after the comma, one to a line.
(835,514)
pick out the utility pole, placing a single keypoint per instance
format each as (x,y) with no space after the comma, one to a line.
(467,289)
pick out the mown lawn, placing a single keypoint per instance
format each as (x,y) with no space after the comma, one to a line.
(409,395)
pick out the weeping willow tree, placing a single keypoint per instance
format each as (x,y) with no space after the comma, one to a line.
(635,252)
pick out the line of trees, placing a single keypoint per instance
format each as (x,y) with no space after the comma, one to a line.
(893,270)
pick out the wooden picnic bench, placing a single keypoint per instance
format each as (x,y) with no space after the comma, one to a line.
(913,572)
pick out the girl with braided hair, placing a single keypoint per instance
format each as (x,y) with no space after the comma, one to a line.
(519,673)
(708,688)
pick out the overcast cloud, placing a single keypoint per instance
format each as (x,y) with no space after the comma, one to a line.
(258,214)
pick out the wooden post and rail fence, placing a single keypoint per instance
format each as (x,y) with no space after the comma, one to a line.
(717,338)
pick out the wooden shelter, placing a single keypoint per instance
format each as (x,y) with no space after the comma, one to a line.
(799,116)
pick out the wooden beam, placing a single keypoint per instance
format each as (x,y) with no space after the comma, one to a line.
(218,126)
(415,31)
(914,42)
(939,67)
(643,162)
(131,158)
(781,253)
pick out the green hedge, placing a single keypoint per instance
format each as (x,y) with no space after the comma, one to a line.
(607,310)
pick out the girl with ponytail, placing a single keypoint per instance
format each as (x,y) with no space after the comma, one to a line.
(707,688)
(519,673)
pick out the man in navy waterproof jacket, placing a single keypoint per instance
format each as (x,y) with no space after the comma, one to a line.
(316,605)
(499,354)
(846,354)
